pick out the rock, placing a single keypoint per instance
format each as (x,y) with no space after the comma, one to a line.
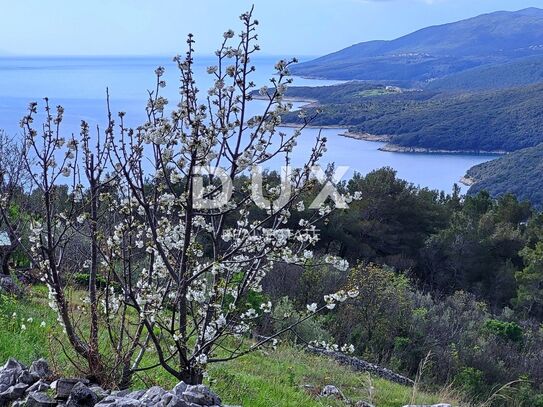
(171,400)
(10,372)
(120,393)
(41,369)
(9,286)
(201,395)
(12,393)
(81,396)
(179,389)
(100,393)
(330,391)
(27,378)
(363,403)
(152,396)
(113,401)
(37,399)
(39,386)
(63,387)
(428,405)
(135,395)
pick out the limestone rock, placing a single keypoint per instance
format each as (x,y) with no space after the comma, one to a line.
(37,399)
(81,396)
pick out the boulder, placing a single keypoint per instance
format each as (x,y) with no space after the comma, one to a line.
(38,399)
(179,389)
(63,387)
(81,396)
(171,400)
(152,396)
(41,369)
(10,372)
(39,386)
(202,395)
(27,377)
(12,393)
(100,393)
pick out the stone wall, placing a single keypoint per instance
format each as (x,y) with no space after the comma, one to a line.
(33,387)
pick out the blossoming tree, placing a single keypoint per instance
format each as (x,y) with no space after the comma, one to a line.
(167,210)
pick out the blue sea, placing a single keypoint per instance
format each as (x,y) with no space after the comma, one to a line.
(79,84)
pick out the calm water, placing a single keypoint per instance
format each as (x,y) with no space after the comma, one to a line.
(79,85)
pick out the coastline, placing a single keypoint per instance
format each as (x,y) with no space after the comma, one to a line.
(467,181)
(394,148)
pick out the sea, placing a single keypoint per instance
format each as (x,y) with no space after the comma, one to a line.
(79,84)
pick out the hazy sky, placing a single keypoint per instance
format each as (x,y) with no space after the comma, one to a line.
(288,27)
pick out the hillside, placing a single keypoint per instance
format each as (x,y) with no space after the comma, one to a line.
(523,71)
(518,173)
(436,51)
(496,120)
(287,376)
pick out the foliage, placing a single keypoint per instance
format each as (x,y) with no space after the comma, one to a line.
(518,173)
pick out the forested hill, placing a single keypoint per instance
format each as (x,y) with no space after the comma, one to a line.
(520,72)
(519,173)
(496,120)
(436,51)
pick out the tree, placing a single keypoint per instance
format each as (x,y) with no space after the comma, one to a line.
(12,181)
(165,213)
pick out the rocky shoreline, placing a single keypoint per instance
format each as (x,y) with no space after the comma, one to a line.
(394,148)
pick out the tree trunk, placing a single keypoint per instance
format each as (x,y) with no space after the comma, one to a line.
(4,258)
(192,376)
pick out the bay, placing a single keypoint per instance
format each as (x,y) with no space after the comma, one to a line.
(79,84)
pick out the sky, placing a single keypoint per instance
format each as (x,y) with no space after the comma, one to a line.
(287,28)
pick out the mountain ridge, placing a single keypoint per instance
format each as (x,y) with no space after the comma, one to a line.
(436,51)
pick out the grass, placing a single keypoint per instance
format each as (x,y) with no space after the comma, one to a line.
(283,377)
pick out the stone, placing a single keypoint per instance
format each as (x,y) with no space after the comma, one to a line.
(10,372)
(81,396)
(13,393)
(63,387)
(152,396)
(179,389)
(41,369)
(330,391)
(9,286)
(37,399)
(200,394)
(27,377)
(363,403)
(171,400)
(39,386)
(428,405)
(100,393)
(135,395)
(113,401)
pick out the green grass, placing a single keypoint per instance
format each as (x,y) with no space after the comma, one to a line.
(283,377)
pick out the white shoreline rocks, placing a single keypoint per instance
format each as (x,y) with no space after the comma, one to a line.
(31,387)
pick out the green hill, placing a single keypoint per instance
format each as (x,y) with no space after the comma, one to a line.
(496,120)
(436,51)
(520,72)
(518,173)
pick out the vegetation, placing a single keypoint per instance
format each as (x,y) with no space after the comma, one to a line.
(497,120)
(436,51)
(518,173)
(521,72)
(271,377)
